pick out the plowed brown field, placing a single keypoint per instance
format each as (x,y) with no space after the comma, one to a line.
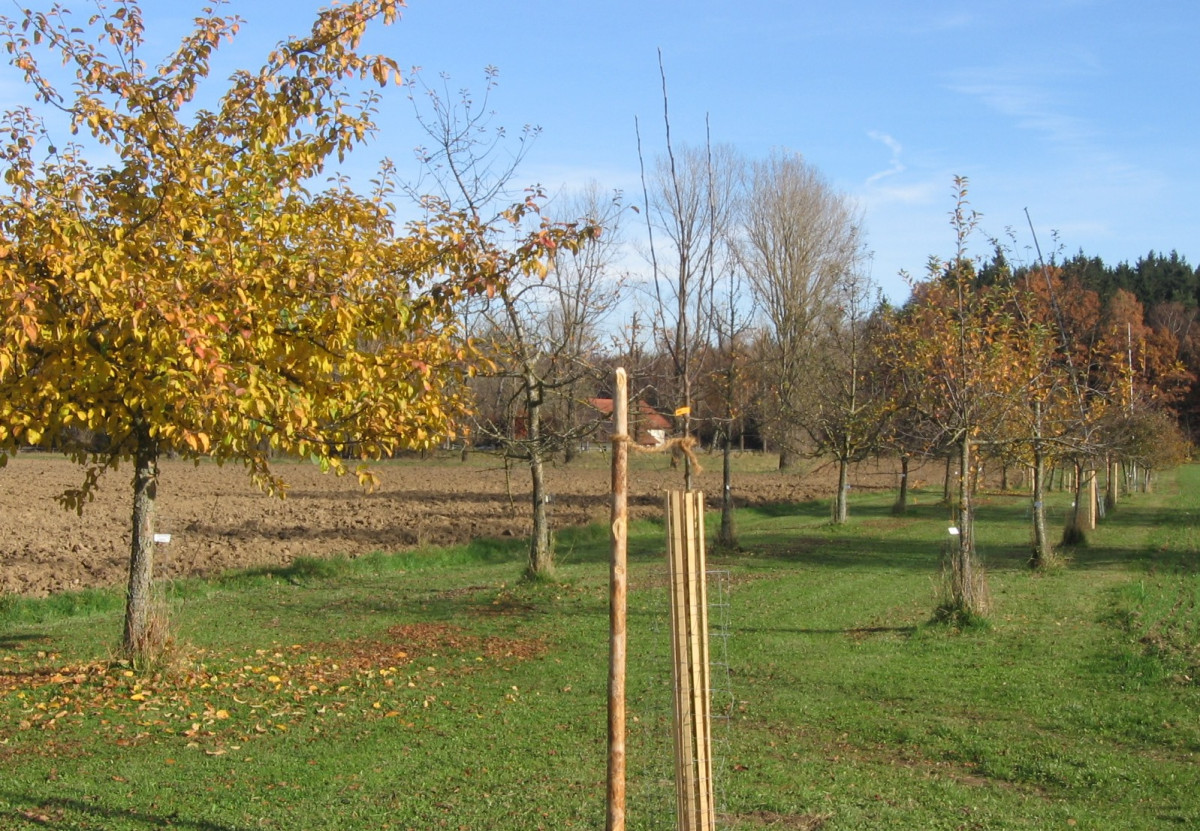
(218,521)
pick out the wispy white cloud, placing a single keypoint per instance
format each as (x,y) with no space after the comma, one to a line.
(894,165)
(918,193)
(1024,95)
(1090,162)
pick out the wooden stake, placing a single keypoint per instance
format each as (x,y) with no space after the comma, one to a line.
(703,696)
(618,590)
(689,645)
(684,747)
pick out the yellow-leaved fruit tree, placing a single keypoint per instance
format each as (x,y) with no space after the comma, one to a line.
(176,277)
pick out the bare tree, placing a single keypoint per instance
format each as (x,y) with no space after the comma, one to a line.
(468,162)
(542,336)
(537,330)
(847,413)
(800,241)
(583,289)
(690,201)
(731,316)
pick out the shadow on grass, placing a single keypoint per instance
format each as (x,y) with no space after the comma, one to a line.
(16,640)
(851,631)
(1151,515)
(305,570)
(41,812)
(815,509)
(450,609)
(16,610)
(1091,555)
(818,551)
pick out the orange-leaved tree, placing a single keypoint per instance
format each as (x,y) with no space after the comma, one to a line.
(193,287)
(953,343)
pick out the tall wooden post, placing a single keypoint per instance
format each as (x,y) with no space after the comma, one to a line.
(618,588)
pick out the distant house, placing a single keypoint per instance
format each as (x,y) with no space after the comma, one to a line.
(652,426)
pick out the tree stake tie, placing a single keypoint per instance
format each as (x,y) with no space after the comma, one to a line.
(680,446)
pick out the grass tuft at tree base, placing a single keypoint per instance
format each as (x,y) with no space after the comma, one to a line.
(956,617)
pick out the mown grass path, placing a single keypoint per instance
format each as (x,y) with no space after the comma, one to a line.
(1055,715)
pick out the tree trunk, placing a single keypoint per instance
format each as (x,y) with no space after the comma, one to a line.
(1041,542)
(967,589)
(139,639)
(946,489)
(541,552)
(1073,532)
(901,506)
(571,446)
(1111,488)
(787,459)
(688,473)
(727,536)
(841,510)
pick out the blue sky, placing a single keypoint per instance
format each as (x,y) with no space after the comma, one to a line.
(1084,112)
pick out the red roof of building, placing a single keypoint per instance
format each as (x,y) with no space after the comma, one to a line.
(648,417)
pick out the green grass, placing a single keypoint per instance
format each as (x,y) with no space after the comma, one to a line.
(436,689)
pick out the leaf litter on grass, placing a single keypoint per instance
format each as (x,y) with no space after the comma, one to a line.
(217,701)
